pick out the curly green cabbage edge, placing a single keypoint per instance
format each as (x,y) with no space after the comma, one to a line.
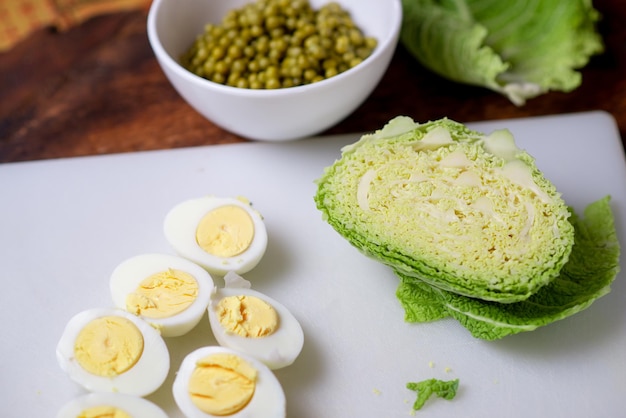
(394,234)
(519,48)
(587,276)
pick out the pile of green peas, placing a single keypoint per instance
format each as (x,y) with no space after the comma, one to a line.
(270,44)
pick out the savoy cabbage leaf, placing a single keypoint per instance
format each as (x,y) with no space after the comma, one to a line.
(519,48)
(445,389)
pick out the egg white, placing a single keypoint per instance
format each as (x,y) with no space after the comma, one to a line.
(180,230)
(268,400)
(134,406)
(145,377)
(277,350)
(127,276)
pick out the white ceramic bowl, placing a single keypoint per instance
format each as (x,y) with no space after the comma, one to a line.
(271,115)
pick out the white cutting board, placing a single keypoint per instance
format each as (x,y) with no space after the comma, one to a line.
(65,224)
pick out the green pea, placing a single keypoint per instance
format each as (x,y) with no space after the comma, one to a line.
(295,72)
(208,67)
(355,61)
(342,44)
(253,67)
(274,22)
(272,83)
(256,30)
(330,72)
(272,72)
(249,51)
(234,52)
(256,84)
(218,78)
(310,75)
(218,53)
(239,66)
(221,67)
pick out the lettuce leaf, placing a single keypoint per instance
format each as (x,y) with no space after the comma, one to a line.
(519,48)
(592,267)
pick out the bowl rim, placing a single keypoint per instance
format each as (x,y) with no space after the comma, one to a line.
(390,41)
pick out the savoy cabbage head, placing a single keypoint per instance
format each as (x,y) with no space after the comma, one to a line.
(587,276)
(519,48)
(461,210)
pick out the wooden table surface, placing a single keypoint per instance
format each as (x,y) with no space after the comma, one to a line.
(97,89)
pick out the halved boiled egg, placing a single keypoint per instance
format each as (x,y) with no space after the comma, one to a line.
(253,323)
(113,405)
(220,234)
(217,381)
(110,350)
(169,292)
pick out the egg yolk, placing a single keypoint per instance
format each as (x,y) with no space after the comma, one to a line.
(103,412)
(108,346)
(163,294)
(248,316)
(222,384)
(226,231)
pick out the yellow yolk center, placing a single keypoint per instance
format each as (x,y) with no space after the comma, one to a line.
(103,412)
(163,294)
(247,316)
(226,231)
(222,384)
(108,346)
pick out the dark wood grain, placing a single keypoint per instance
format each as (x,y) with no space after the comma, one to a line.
(97,89)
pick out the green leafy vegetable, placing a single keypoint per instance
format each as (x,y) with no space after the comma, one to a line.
(592,267)
(463,211)
(471,227)
(426,388)
(519,48)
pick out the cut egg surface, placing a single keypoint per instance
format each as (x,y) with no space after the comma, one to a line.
(111,350)
(110,405)
(216,381)
(169,292)
(253,323)
(219,233)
